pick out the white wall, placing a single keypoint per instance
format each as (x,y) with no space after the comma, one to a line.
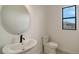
(68,40)
(36,30)
(38,23)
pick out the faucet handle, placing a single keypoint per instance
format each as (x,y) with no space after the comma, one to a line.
(23,38)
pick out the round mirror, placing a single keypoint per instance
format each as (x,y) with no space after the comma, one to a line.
(15,18)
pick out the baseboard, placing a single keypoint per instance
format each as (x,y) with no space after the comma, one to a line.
(65,51)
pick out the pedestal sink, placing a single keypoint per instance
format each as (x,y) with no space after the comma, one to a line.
(17,48)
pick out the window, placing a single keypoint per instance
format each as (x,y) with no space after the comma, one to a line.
(69,18)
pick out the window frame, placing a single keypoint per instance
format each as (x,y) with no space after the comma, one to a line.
(75,17)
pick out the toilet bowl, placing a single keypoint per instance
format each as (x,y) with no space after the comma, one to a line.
(50,48)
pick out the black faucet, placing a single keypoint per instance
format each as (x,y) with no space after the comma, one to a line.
(21,38)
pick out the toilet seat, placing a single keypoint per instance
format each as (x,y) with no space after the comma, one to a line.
(52,44)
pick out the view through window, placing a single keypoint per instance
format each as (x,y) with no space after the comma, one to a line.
(69,18)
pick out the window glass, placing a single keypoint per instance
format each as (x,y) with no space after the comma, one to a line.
(69,12)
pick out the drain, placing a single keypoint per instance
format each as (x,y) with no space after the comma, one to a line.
(22,49)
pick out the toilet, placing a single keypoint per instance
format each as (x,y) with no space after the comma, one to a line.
(49,47)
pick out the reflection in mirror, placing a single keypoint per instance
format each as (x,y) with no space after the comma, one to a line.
(69,18)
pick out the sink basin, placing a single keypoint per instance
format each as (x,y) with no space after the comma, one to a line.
(19,47)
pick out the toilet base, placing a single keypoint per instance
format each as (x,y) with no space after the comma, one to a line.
(48,50)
